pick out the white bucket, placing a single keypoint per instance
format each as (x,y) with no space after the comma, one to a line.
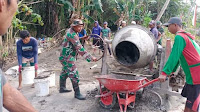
(28,75)
(42,86)
(52,81)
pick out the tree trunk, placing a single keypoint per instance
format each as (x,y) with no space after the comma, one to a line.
(162,10)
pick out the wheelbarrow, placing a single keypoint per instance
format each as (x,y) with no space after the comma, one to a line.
(110,85)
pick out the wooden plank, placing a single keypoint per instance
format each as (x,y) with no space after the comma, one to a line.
(162,10)
(104,66)
(165,85)
(125,73)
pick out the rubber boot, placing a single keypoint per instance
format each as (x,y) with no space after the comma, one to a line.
(77,93)
(63,88)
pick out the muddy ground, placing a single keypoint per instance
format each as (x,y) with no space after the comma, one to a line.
(65,102)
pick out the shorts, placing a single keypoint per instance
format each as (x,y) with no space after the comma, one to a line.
(192,93)
(26,60)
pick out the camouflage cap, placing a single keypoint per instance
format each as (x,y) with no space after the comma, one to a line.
(77,22)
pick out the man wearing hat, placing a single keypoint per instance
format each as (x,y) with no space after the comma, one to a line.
(185,52)
(133,22)
(154,31)
(161,30)
(106,33)
(71,47)
(123,24)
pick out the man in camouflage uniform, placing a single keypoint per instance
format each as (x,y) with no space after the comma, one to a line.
(71,47)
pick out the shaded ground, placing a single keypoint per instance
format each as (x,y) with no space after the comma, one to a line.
(65,102)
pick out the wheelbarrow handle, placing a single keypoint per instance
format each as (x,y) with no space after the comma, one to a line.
(146,84)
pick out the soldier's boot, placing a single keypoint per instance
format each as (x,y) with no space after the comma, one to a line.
(77,93)
(63,88)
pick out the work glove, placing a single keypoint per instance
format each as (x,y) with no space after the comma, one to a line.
(36,66)
(20,68)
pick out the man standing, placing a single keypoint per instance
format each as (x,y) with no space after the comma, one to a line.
(27,51)
(96,30)
(82,36)
(106,33)
(161,30)
(123,24)
(71,47)
(154,30)
(186,52)
(10,98)
(133,23)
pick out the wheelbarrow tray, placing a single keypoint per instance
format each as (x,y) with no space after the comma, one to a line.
(120,83)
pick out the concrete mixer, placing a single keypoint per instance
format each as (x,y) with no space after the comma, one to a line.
(134,46)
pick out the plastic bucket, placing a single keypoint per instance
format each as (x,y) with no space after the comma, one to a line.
(42,86)
(51,74)
(52,81)
(28,75)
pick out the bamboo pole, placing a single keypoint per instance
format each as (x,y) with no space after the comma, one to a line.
(162,10)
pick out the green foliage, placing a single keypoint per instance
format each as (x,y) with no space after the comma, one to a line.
(141,11)
(67,4)
(147,19)
(25,12)
(87,8)
(5,54)
(98,5)
(198,21)
(120,6)
(89,18)
(96,8)
(168,34)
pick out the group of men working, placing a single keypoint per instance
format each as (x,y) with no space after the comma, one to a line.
(185,51)
(157,31)
(98,33)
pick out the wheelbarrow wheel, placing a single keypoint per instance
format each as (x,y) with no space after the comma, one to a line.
(152,97)
(131,105)
(107,102)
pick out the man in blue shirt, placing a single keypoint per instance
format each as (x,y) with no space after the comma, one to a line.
(96,30)
(27,51)
(82,36)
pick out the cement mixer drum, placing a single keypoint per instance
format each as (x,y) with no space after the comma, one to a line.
(134,46)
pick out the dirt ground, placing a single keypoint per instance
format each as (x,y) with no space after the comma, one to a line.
(65,102)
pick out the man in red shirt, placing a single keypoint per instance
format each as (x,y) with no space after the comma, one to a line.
(185,52)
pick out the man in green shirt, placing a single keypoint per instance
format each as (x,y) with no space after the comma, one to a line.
(185,52)
(106,33)
(161,30)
